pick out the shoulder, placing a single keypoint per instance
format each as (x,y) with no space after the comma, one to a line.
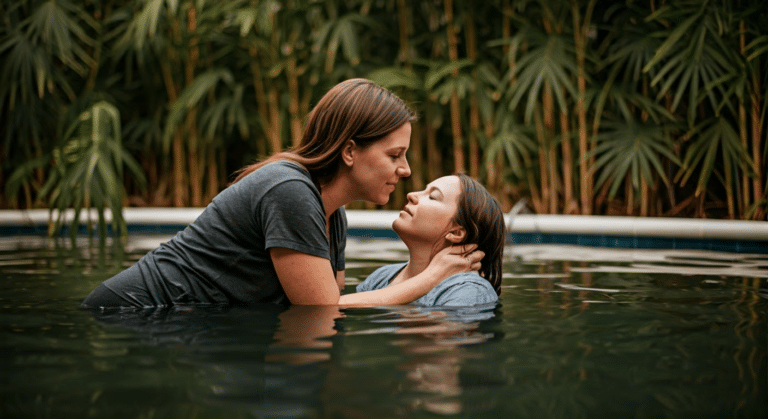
(466,289)
(380,277)
(287,184)
(278,172)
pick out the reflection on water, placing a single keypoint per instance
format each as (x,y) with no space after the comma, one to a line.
(260,359)
(578,332)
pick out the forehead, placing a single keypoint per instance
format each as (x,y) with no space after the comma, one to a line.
(399,138)
(449,185)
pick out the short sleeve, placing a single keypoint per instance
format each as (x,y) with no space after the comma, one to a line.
(380,277)
(461,290)
(292,217)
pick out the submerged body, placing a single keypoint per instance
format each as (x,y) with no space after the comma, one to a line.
(461,290)
(223,256)
(453,211)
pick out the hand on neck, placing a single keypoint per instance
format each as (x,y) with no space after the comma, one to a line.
(419,257)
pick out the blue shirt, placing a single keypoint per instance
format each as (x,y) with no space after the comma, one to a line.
(465,289)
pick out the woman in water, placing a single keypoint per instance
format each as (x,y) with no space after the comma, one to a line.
(452,210)
(278,233)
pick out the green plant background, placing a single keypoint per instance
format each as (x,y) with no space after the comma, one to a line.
(651,108)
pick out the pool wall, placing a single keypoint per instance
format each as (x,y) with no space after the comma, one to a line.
(603,231)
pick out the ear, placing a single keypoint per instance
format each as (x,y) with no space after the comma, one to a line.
(456,234)
(348,153)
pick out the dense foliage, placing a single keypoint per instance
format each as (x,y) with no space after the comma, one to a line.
(646,107)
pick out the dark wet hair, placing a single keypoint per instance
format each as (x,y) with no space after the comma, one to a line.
(483,219)
(355,109)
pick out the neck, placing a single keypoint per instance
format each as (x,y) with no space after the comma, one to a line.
(335,195)
(419,256)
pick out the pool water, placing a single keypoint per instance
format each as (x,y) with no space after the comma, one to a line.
(578,333)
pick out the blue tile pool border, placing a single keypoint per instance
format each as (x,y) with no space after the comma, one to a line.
(720,245)
(595,231)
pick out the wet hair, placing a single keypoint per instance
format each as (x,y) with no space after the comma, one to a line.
(355,109)
(483,219)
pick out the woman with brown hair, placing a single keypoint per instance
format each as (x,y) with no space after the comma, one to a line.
(451,211)
(278,233)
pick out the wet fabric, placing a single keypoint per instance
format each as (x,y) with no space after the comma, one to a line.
(465,289)
(223,256)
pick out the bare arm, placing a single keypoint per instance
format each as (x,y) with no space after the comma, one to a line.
(309,280)
(306,279)
(340,279)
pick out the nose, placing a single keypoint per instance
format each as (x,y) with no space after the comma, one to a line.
(412,198)
(404,170)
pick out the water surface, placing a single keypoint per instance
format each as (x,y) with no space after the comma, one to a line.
(578,332)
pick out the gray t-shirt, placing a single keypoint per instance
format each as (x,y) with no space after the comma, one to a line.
(465,289)
(223,256)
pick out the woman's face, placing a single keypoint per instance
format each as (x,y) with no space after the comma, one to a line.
(377,168)
(429,213)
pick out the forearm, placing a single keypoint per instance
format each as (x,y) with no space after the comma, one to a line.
(402,293)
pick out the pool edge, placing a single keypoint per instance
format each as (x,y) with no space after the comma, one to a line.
(588,230)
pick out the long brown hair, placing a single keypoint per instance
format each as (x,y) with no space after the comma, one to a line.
(483,219)
(355,109)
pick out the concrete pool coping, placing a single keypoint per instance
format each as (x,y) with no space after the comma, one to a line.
(588,230)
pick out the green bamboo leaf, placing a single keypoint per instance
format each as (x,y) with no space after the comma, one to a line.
(756,48)
(631,150)
(346,33)
(394,77)
(190,97)
(90,166)
(712,138)
(246,19)
(513,142)
(673,38)
(439,72)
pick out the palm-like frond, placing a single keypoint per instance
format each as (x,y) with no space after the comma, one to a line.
(693,56)
(712,138)
(632,150)
(550,59)
(515,142)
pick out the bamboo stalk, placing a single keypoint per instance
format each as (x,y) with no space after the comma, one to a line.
(630,195)
(403,19)
(275,125)
(570,206)
(474,108)
(745,198)
(293,102)
(212,174)
(195,163)
(293,90)
(536,198)
(404,57)
(178,190)
(729,188)
(433,153)
(543,206)
(548,108)
(261,97)
(585,163)
(757,138)
(455,106)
